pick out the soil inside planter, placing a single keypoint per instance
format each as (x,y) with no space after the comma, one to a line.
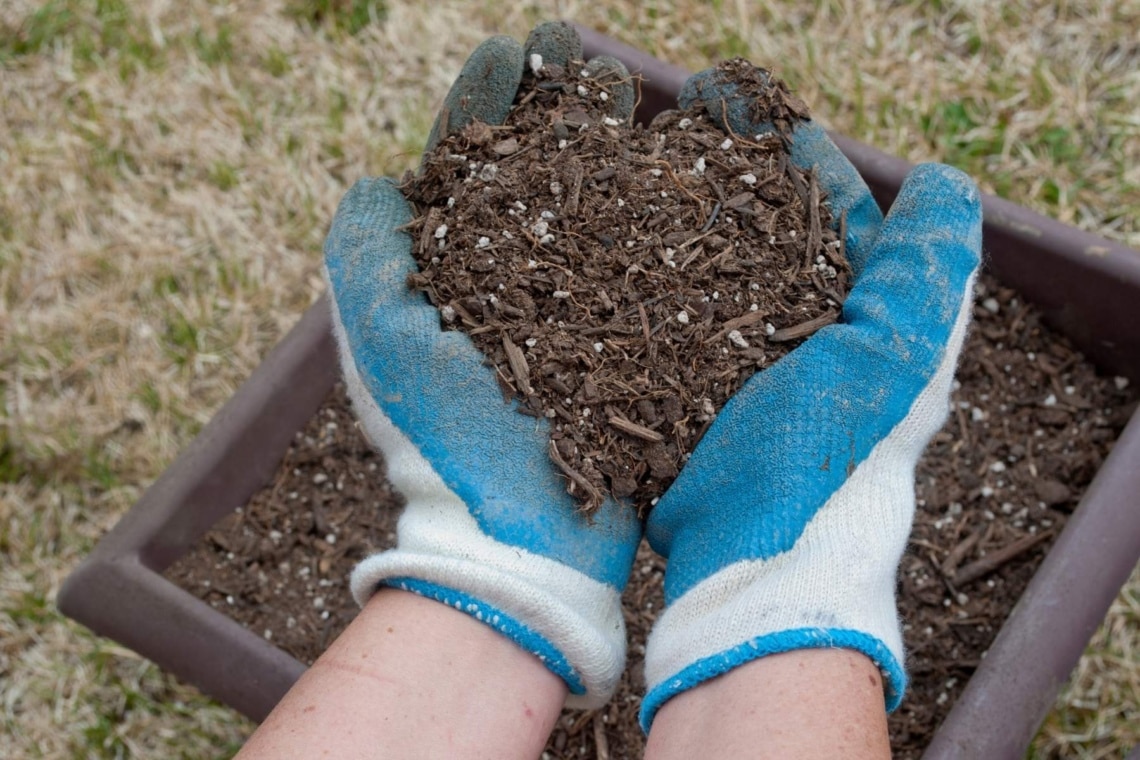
(1031,423)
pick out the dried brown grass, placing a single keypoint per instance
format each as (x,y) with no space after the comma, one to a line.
(170,170)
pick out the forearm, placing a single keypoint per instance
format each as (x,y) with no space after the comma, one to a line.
(801,704)
(414,678)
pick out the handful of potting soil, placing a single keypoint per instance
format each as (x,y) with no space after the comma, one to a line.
(625,281)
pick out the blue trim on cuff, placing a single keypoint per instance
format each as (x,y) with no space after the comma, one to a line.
(894,677)
(518,632)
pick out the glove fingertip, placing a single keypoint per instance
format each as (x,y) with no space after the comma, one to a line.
(724,98)
(939,206)
(365,246)
(612,73)
(707,88)
(484,89)
(694,86)
(556,41)
(948,184)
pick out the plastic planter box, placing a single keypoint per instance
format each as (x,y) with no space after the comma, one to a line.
(1089,288)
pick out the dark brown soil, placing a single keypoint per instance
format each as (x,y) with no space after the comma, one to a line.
(1030,426)
(279,565)
(1032,422)
(625,281)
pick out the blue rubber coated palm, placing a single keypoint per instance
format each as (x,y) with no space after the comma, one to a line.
(436,387)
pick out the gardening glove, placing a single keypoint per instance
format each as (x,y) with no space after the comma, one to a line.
(785,528)
(489,527)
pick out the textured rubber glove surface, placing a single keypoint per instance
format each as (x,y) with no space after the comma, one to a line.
(435,387)
(484,89)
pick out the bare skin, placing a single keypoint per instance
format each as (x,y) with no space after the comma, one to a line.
(803,704)
(412,678)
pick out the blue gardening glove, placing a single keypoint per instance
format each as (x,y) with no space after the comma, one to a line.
(488,527)
(785,528)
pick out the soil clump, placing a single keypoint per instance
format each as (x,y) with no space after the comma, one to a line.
(625,281)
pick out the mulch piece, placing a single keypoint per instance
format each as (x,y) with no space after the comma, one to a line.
(1031,424)
(625,281)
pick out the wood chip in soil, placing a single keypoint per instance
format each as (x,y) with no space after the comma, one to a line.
(625,281)
(1031,423)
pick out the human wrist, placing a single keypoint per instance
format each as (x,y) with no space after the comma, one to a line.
(570,621)
(808,703)
(374,692)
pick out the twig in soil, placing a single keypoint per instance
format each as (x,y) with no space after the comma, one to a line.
(963,427)
(712,218)
(797,181)
(577,726)
(637,79)
(601,744)
(927,545)
(960,552)
(746,320)
(996,559)
(637,431)
(815,231)
(518,365)
(695,238)
(644,323)
(668,169)
(843,235)
(593,495)
(575,186)
(804,329)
